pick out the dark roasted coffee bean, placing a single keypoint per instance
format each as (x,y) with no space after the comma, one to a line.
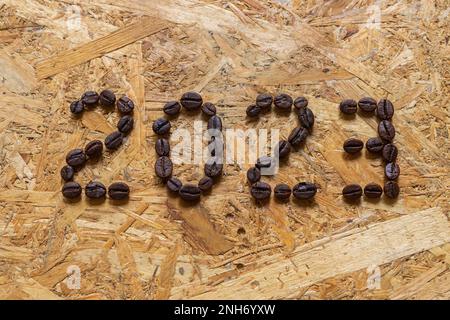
(95,190)
(162,147)
(209,109)
(213,168)
(367,104)
(107,98)
(163,167)
(71,190)
(215,123)
(205,184)
(263,162)
(348,106)
(298,136)
(386,130)
(385,109)
(94,149)
(76,107)
(161,126)
(304,190)
(352,191)
(374,145)
(282,191)
(189,192)
(284,148)
(260,190)
(390,152)
(125,124)
(90,98)
(253,111)
(373,190)
(67,173)
(283,101)
(253,175)
(353,145)
(125,105)
(114,140)
(174,184)
(191,100)
(118,191)
(391,189)
(172,108)
(264,100)
(392,170)
(76,158)
(306,117)
(300,103)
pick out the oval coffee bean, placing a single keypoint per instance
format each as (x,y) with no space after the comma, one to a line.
(348,106)
(71,190)
(253,110)
(392,170)
(304,190)
(213,169)
(300,103)
(298,136)
(253,175)
(391,189)
(189,192)
(94,149)
(282,191)
(386,130)
(161,126)
(215,123)
(367,104)
(352,191)
(374,145)
(95,190)
(373,190)
(163,167)
(306,117)
(172,108)
(284,148)
(283,101)
(385,109)
(263,162)
(174,184)
(260,190)
(162,147)
(76,158)
(118,191)
(264,100)
(209,109)
(67,173)
(390,152)
(107,98)
(114,140)
(90,98)
(205,184)
(76,107)
(125,124)
(353,145)
(191,100)
(125,105)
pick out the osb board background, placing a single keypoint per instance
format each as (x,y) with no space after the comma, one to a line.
(226,246)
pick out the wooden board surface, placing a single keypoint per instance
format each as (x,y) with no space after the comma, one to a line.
(226,246)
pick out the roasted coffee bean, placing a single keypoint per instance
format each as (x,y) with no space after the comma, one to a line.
(191,100)
(282,191)
(253,110)
(385,109)
(205,184)
(263,162)
(264,100)
(253,175)
(390,152)
(172,108)
(348,106)
(353,145)
(304,190)
(298,136)
(67,173)
(391,189)
(260,190)
(107,98)
(125,105)
(161,126)
(306,117)
(209,109)
(76,107)
(213,168)
(392,170)
(90,98)
(163,167)
(373,190)
(386,130)
(283,101)
(162,147)
(95,190)
(174,184)
(215,123)
(367,104)
(352,192)
(94,149)
(284,148)
(189,192)
(125,124)
(374,145)
(76,158)
(71,190)
(118,191)
(300,103)
(114,140)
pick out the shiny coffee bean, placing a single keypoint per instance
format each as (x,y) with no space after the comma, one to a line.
(264,100)
(215,123)
(283,101)
(304,190)
(94,149)
(161,126)
(163,167)
(118,191)
(300,103)
(162,147)
(213,168)
(95,190)
(385,109)
(71,190)
(353,145)
(90,98)
(352,192)
(191,101)
(263,162)
(282,191)
(172,108)
(107,98)
(367,104)
(386,130)
(114,140)
(125,124)
(284,148)
(67,173)
(306,117)
(373,190)
(76,158)
(298,136)
(209,109)
(76,107)
(260,190)
(174,184)
(253,110)
(391,189)
(348,106)
(253,175)
(390,152)
(189,192)
(125,105)
(392,170)
(205,184)
(374,145)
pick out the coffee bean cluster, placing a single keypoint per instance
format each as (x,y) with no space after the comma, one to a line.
(77,158)
(191,102)
(283,103)
(383,144)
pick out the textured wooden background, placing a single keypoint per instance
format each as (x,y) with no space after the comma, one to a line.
(226,246)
